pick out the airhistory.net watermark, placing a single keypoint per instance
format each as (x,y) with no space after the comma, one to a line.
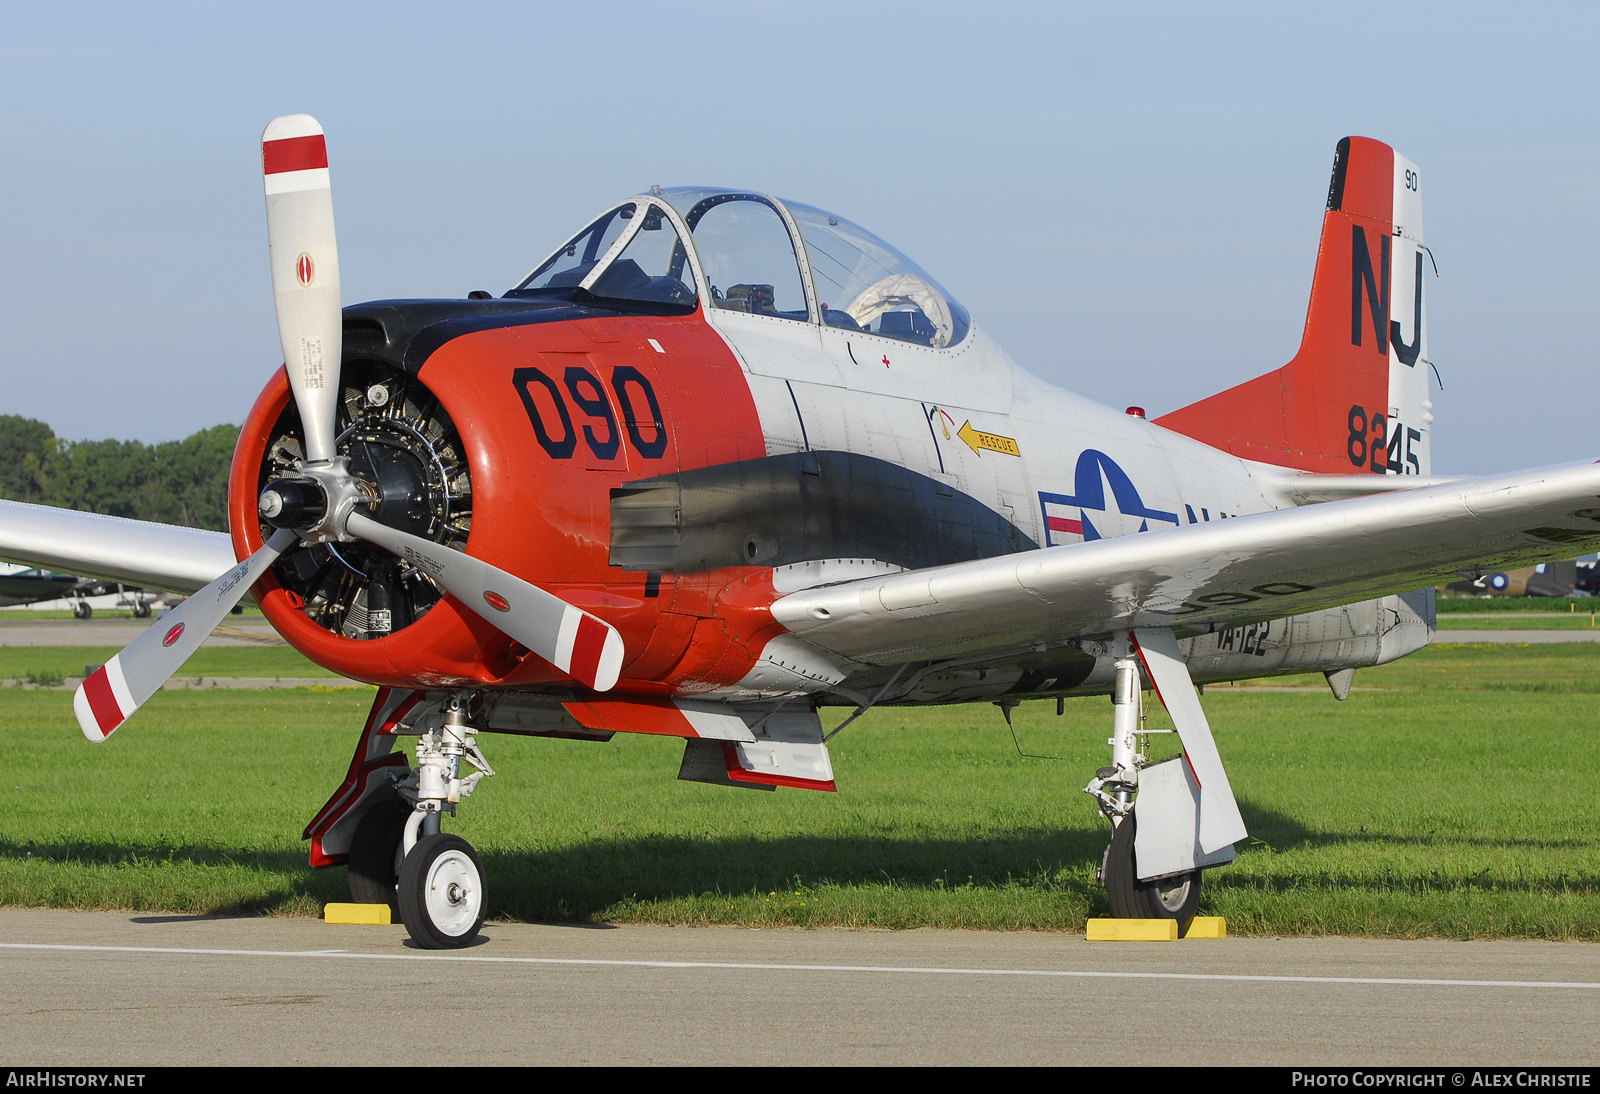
(71,1077)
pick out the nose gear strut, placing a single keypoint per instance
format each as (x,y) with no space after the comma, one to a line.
(436,780)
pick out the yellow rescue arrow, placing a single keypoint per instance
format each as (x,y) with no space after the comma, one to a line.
(978,440)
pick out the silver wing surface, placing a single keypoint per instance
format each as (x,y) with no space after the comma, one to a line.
(1193,578)
(157,556)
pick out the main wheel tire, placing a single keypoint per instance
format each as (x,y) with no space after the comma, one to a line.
(141,609)
(82,611)
(375,854)
(442,892)
(1167,898)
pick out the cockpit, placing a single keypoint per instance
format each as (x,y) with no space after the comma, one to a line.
(672,249)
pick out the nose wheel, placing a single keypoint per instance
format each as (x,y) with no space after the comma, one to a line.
(442,893)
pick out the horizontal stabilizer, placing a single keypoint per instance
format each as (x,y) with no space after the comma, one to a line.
(1308,489)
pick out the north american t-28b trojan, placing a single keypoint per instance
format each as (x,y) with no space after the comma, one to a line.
(724,459)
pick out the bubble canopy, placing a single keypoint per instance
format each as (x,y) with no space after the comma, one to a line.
(753,253)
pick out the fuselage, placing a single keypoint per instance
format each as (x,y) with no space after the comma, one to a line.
(675,466)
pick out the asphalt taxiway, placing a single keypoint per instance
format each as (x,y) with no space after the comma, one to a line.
(110,988)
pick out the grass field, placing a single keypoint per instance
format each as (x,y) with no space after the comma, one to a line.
(1455,798)
(49,664)
(25,614)
(1477,605)
(1510,621)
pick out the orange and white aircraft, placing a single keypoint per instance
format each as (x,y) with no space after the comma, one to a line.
(724,459)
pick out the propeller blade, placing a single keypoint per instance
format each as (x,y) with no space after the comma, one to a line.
(305,272)
(566,636)
(120,686)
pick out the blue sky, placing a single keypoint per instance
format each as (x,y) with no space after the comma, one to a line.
(1127,197)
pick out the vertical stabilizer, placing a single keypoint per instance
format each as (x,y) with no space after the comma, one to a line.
(1355,397)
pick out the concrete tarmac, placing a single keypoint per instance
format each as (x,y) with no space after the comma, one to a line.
(117,989)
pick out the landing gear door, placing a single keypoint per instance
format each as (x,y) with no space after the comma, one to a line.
(1167,840)
(1220,824)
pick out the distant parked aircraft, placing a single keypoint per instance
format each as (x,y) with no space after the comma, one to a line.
(1545,579)
(37,586)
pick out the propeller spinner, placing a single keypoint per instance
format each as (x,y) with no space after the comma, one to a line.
(324,501)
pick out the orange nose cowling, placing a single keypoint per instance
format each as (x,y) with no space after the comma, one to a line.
(542,510)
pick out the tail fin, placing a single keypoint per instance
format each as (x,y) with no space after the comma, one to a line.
(1356,395)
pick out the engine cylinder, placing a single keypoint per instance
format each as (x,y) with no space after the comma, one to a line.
(403,446)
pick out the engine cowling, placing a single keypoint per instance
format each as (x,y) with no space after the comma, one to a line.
(451,449)
(354,608)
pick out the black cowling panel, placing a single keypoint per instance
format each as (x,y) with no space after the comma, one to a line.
(799,508)
(405,333)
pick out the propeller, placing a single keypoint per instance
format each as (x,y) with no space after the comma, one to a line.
(568,637)
(305,273)
(120,686)
(323,501)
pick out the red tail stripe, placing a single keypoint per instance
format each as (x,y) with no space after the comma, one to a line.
(294,154)
(102,703)
(587,647)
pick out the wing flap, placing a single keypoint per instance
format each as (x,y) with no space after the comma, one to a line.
(157,556)
(1196,577)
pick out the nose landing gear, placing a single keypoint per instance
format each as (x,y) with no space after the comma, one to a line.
(433,882)
(440,890)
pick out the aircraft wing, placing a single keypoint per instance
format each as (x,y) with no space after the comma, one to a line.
(1203,576)
(158,556)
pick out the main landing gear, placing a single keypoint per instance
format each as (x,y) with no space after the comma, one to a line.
(432,881)
(1175,895)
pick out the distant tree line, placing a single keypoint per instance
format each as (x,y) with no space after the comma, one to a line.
(175,482)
